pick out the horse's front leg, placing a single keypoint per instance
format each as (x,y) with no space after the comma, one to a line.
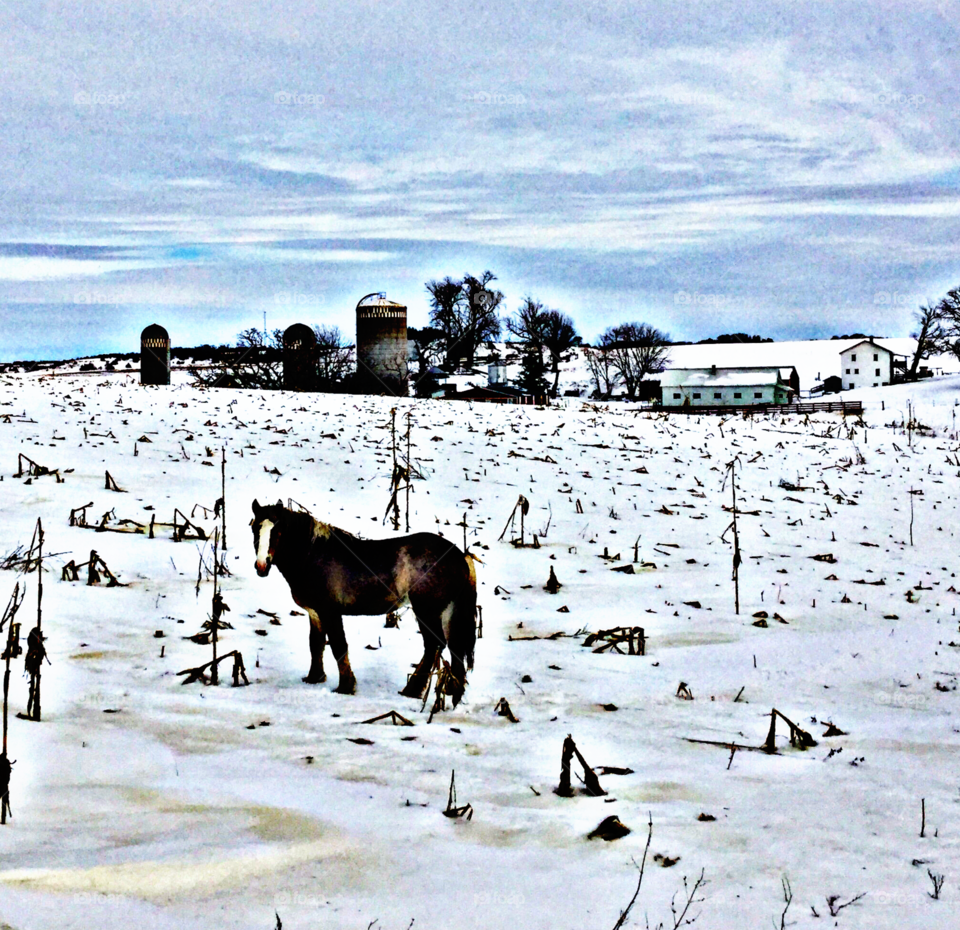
(318,639)
(338,643)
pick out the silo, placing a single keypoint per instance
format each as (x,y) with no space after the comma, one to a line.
(299,358)
(381,345)
(154,355)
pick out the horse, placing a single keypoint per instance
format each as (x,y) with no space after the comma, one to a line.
(332,573)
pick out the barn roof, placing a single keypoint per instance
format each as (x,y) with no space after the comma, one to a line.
(872,342)
(721,377)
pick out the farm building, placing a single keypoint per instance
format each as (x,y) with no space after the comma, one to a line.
(831,385)
(382,346)
(299,358)
(814,359)
(724,387)
(866,364)
(154,355)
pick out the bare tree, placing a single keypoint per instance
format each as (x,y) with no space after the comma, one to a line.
(429,346)
(636,350)
(445,299)
(335,357)
(560,337)
(530,326)
(930,336)
(255,362)
(949,311)
(600,365)
(466,313)
(481,321)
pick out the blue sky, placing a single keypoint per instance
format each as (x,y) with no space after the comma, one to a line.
(790,169)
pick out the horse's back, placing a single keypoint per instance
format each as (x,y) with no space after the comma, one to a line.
(375,575)
(425,561)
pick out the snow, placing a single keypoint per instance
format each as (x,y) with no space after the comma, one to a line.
(171,811)
(724,377)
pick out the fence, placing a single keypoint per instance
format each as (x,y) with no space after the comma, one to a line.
(847,408)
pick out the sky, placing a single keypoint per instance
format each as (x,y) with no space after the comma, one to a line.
(786,169)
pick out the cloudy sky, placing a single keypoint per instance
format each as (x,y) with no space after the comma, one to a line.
(790,169)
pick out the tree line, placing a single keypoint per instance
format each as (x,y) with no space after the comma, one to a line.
(256,361)
(465,313)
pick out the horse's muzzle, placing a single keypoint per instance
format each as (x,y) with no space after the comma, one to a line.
(263,568)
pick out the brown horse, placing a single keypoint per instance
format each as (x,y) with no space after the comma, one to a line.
(332,573)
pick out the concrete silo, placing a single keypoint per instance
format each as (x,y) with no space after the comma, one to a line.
(299,358)
(381,345)
(154,355)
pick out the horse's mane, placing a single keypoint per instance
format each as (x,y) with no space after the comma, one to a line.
(316,529)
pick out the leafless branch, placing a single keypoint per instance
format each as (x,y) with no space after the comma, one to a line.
(624,913)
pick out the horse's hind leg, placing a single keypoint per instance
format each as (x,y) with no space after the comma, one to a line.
(459,683)
(431,647)
(461,639)
(318,639)
(338,643)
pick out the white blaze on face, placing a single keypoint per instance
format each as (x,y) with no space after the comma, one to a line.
(263,547)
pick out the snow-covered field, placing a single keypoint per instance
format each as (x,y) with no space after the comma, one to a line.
(140,802)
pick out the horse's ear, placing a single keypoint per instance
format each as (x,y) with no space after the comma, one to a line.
(256,508)
(280,505)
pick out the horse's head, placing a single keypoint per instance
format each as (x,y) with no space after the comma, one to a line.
(266,523)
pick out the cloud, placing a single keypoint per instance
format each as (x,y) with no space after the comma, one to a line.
(758,149)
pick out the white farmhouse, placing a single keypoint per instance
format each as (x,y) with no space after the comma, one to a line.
(866,364)
(724,387)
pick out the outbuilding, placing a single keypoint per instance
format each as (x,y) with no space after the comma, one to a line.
(723,387)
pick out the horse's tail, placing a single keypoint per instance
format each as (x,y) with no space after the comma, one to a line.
(463,624)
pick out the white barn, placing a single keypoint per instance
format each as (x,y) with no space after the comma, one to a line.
(866,364)
(724,387)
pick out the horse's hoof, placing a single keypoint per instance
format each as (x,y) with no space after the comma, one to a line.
(347,687)
(409,692)
(314,679)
